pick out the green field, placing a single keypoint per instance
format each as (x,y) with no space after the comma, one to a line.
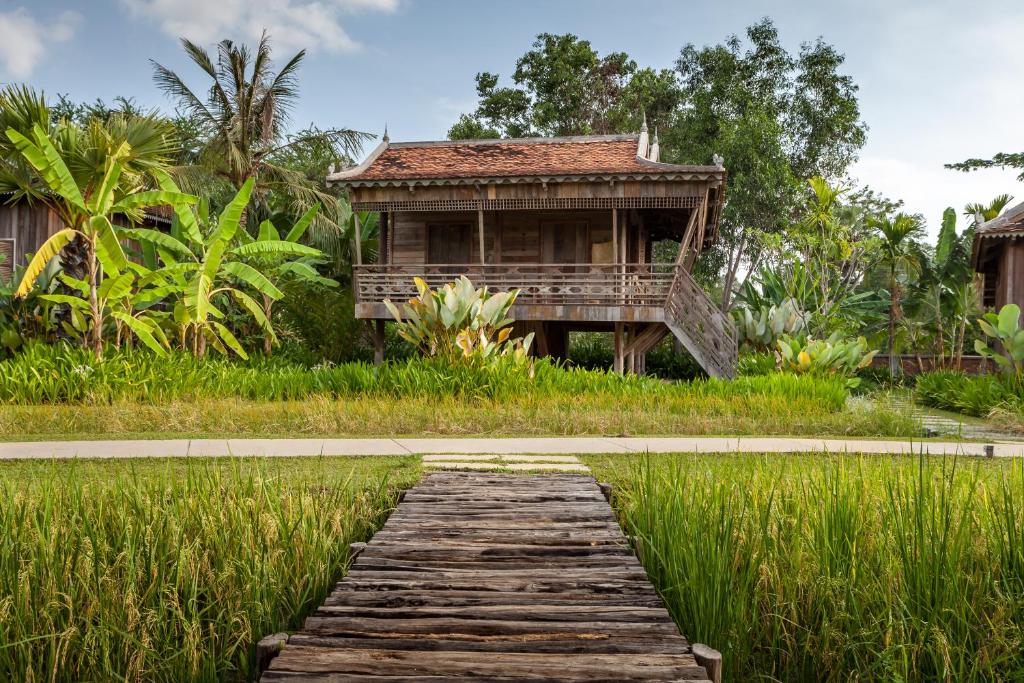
(171,570)
(834,568)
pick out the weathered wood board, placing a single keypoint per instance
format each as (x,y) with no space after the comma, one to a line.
(493,577)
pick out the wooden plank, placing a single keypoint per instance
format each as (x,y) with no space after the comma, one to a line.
(493,577)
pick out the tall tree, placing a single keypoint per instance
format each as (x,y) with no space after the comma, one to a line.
(900,258)
(242,115)
(1001,160)
(562,86)
(775,118)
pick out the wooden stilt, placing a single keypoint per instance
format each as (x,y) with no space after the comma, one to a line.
(617,367)
(378,342)
(359,239)
(480,231)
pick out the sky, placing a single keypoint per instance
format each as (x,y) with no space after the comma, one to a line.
(939,80)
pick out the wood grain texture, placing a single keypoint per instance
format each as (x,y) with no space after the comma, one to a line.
(493,577)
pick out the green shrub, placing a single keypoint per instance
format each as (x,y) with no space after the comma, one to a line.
(974,395)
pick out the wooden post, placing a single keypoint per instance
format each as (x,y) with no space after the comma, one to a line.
(385,229)
(617,367)
(378,342)
(480,230)
(359,239)
(710,659)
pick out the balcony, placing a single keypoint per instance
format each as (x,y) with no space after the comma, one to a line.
(583,291)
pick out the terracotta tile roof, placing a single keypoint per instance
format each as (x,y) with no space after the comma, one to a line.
(585,155)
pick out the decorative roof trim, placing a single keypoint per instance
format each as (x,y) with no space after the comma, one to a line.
(670,173)
(359,168)
(1012,215)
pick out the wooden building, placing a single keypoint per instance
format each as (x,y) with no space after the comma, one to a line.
(998,255)
(570,222)
(25,226)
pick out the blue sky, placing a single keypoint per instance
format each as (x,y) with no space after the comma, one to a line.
(940,81)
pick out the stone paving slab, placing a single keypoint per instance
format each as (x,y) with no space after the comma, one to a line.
(495,446)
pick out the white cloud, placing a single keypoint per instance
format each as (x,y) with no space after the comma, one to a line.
(292,24)
(24,40)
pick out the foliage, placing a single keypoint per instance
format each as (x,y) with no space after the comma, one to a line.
(832,356)
(976,395)
(595,351)
(171,571)
(563,87)
(1005,328)
(828,568)
(242,116)
(761,329)
(87,212)
(774,117)
(458,322)
(1000,160)
(899,257)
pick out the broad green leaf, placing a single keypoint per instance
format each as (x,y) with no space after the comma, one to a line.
(108,248)
(80,286)
(103,198)
(73,301)
(229,340)
(256,311)
(306,272)
(299,229)
(253,278)
(160,239)
(117,287)
(141,330)
(231,215)
(1009,317)
(142,200)
(47,251)
(43,156)
(268,231)
(182,212)
(275,248)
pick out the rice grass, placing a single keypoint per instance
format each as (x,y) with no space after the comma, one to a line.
(830,568)
(171,571)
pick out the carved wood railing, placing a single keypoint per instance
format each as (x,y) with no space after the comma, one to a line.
(708,334)
(631,284)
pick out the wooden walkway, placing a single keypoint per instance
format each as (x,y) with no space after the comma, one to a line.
(493,577)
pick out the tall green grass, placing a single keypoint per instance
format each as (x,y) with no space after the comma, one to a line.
(812,568)
(172,571)
(59,374)
(976,395)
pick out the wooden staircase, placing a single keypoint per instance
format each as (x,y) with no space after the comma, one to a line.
(707,333)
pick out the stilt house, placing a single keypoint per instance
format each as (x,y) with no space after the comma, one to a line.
(570,222)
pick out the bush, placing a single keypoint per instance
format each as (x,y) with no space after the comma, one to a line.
(974,395)
(595,351)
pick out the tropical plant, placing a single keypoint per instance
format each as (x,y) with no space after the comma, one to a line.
(760,329)
(900,259)
(206,259)
(282,260)
(1005,328)
(981,213)
(86,212)
(460,322)
(832,356)
(241,116)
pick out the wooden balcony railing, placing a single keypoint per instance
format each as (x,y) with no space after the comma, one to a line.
(629,284)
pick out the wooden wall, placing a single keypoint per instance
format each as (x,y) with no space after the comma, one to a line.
(511,237)
(29,226)
(564,190)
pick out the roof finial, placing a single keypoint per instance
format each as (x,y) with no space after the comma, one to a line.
(718,160)
(653,152)
(641,143)
(385,138)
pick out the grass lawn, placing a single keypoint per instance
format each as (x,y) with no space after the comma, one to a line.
(595,414)
(171,570)
(829,568)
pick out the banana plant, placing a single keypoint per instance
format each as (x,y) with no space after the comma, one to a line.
(205,263)
(88,216)
(1005,328)
(283,259)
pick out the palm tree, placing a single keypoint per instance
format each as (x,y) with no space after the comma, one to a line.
(242,114)
(987,212)
(899,255)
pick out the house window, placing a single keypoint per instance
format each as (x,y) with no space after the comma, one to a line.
(449,243)
(6,258)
